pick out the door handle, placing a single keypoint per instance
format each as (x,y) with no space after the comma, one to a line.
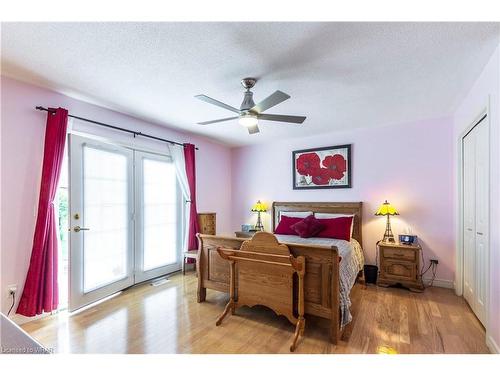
(78,228)
(469,229)
(480,233)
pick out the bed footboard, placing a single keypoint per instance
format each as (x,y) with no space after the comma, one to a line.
(321,281)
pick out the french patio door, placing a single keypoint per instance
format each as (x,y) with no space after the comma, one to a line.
(158,217)
(125,219)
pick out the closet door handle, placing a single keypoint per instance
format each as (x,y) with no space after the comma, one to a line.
(469,229)
(480,233)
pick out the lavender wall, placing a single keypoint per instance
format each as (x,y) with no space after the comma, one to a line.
(486,91)
(408,164)
(21,160)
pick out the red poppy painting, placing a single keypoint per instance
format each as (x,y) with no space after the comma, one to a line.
(322,168)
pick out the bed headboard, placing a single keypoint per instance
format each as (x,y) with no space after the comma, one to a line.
(354,208)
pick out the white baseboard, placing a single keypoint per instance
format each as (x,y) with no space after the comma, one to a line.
(21,319)
(449,284)
(492,345)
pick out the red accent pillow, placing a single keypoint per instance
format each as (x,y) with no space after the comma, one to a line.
(338,227)
(285,223)
(309,227)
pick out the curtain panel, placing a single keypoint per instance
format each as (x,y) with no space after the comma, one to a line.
(40,293)
(193,227)
(177,154)
(184,161)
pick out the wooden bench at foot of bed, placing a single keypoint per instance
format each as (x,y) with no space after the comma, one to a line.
(321,281)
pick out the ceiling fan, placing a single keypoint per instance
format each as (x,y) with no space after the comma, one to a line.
(250,113)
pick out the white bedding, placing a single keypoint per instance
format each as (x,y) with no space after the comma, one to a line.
(352,262)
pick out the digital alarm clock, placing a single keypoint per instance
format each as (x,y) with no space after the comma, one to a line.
(407,239)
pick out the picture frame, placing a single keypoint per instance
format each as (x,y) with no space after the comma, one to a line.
(322,168)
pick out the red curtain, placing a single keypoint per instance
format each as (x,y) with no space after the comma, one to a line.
(189,156)
(40,292)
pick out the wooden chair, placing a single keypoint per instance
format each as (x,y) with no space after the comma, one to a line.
(190,254)
(262,273)
(206,223)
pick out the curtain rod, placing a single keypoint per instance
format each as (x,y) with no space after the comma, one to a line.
(117,128)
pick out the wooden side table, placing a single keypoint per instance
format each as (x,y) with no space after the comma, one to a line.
(190,254)
(400,263)
(244,234)
(207,224)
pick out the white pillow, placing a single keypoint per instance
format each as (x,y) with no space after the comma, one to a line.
(319,215)
(301,214)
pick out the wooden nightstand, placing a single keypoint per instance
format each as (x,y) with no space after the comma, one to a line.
(244,234)
(400,264)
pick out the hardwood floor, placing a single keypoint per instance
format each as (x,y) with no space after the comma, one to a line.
(167,319)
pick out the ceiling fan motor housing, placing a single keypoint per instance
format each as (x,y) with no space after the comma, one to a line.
(248,83)
(247,102)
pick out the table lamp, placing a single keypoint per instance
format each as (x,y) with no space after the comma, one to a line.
(386,209)
(259,207)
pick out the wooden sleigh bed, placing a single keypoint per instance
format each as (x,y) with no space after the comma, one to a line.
(321,281)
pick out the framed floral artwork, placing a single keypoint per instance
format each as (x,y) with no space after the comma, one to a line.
(322,168)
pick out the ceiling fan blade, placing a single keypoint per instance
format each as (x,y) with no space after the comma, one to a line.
(282,118)
(219,120)
(275,98)
(254,129)
(217,103)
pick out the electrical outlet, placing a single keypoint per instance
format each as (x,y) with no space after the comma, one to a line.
(434,261)
(12,289)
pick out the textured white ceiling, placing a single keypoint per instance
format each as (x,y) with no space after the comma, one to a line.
(339,75)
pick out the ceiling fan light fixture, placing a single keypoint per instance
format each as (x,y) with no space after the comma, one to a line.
(248,120)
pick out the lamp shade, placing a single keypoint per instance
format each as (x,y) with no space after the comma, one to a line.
(259,207)
(386,209)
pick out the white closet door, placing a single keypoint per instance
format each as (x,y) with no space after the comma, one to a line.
(482,218)
(469,229)
(476,217)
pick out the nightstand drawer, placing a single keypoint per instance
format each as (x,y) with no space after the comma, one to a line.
(399,270)
(402,254)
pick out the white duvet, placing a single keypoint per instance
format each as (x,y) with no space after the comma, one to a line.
(352,262)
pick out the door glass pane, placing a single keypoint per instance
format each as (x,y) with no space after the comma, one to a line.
(62,201)
(159,207)
(105,197)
